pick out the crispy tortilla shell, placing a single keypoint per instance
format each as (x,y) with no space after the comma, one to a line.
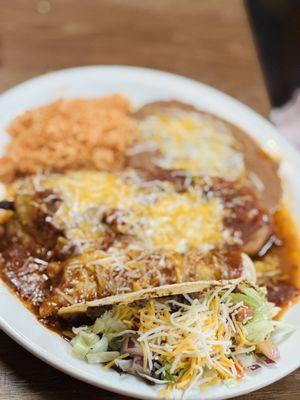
(92,307)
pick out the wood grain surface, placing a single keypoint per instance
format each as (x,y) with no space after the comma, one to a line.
(208,40)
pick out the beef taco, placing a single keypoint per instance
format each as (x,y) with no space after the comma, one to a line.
(182,336)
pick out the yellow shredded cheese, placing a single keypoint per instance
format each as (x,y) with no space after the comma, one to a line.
(154,215)
(193,142)
(112,362)
(194,339)
(187,341)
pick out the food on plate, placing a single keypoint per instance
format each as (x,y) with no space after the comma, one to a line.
(100,233)
(184,336)
(166,228)
(177,136)
(69,134)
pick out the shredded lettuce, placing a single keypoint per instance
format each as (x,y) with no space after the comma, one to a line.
(88,345)
(251,297)
(83,343)
(261,325)
(101,345)
(168,377)
(108,324)
(102,357)
(104,342)
(259,328)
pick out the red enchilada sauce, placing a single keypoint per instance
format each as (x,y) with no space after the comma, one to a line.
(33,268)
(30,276)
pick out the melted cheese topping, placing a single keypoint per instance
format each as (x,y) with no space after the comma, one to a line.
(192,142)
(153,214)
(268,269)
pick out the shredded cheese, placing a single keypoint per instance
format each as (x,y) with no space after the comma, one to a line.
(193,142)
(195,340)
(155,216)
(188,340)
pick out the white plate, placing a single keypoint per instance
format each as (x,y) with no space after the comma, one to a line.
(142,85)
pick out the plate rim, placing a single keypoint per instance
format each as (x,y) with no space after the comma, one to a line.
(157,73)
(60,365)
(286,149)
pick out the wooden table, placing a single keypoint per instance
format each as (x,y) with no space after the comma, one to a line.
(206,40)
